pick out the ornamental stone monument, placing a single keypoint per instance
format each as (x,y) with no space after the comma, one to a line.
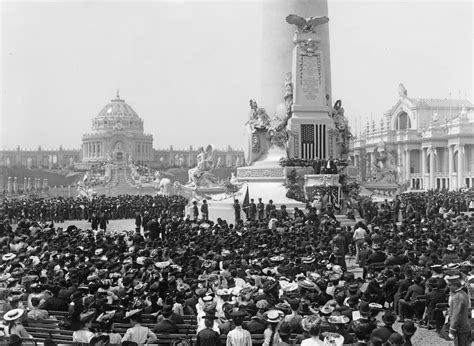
(314,134)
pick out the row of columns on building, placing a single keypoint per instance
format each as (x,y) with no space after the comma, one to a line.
(93,149)
(29,184)
(431,153)
(143,148)
(454,182)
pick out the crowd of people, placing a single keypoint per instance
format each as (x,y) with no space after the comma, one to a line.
(60,209)
(277,273)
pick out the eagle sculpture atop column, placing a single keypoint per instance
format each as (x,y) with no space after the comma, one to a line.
(306,24)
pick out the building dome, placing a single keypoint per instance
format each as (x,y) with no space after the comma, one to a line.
(117,108)
(117,115)
(117,135)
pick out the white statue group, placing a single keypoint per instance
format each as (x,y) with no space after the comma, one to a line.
(205,164)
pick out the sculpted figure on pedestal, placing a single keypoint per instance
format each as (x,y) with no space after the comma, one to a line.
(201,174)
(342,126)
(383,164)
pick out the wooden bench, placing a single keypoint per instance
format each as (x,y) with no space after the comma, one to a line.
(121,328)
(49,323)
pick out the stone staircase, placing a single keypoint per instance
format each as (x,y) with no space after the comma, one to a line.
(123,186)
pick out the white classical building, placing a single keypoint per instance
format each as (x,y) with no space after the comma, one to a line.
(117,135)
(429,144)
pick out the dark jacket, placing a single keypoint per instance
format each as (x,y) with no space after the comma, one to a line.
(256,325)
(208,337)
(138,220)
(166,327)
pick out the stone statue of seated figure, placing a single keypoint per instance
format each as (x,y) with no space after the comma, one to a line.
(204,164)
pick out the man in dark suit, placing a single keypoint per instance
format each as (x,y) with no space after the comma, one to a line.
(260,210)
(195,211)
(177,319)
(166,325)
(458,312)
(205,210)
(103,221)
(95,222)
(138,220)
(153,228)
(237,211)
(252,210)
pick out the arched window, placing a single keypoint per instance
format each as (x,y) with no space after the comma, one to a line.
(403,121)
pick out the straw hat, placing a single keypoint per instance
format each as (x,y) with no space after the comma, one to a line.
(13,315)
(273,316)
(8,256)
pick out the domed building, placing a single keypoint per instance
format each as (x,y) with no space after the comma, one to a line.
(117,136)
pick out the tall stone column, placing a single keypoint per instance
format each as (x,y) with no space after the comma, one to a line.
(452,182)
(10,185)
(432,167)
(407,168)
(460,166)
(424,183)
(15,185)
(277,46)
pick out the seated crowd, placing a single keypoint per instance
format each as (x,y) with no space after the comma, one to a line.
(220,283)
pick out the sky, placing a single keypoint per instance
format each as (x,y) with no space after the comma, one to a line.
(188,68)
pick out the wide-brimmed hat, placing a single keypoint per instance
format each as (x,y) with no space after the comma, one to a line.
(453,279)
(273,316)
(340,319)
(105,316)
(207,298)
(8,256)
(162,265)
(307,284)
(277,258)
(375,306)
(308,259)
(451,266)
(13,314)
(450,247)
(132,313)
(326,309)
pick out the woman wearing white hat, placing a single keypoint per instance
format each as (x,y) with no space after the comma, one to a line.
(273,318)
(13,318)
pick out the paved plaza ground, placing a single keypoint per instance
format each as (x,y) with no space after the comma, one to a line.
(422,336)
